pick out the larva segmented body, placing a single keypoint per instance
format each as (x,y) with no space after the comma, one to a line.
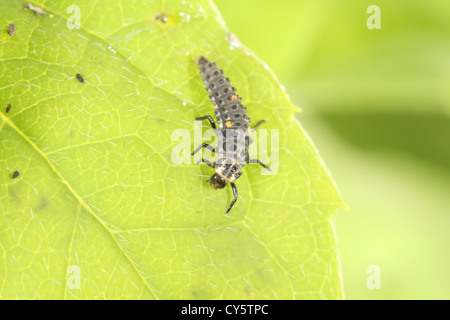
(234,128)
(228,106)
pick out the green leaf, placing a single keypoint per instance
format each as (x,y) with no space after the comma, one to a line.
(98,191)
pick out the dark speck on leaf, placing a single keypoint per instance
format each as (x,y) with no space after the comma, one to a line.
(8,108)
(37,11)
(80,78)
(15,174)
(161,17)
(12,29)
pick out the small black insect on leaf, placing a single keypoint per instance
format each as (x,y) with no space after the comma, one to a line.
(8,108)
(12,29)
(161,17)
(80,78)
(15,174)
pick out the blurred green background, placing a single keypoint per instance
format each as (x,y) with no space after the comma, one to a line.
(376,103)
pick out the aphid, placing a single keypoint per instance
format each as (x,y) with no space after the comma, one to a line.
(233,132)
(80,78)
(15,174)
(161,17)
(8,108)
(36,10)
(12,29)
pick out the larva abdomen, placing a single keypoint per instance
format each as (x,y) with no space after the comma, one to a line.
(229,111)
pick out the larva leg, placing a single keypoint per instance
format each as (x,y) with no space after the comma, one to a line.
(210,119)
(259,161)
(203,145)
(205,161)
(257,125)
(235,192)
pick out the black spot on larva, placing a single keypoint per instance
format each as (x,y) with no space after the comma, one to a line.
(211,85)
(15,174)
(223,109)
(216,73)
(221,81)
(237,124)
(12,29)
(237,116)
(229,98)
(80,78)
(210,65)
(226,90)
(226,117)
(216,94)
(8,108)
(234,107)
(208,77)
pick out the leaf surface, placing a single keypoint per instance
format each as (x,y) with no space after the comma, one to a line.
(98,191)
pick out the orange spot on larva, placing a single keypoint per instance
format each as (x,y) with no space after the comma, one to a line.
(228,124)
(234,97)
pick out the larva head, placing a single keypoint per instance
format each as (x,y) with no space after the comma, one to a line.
(201,61)
(217,182)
